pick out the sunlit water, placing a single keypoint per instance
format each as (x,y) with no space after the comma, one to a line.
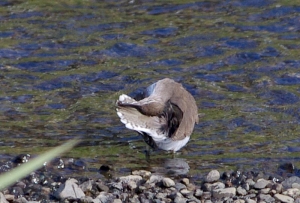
(64,64)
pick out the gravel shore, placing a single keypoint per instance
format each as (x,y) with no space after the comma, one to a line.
(144,187)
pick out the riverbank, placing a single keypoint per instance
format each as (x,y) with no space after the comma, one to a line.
(143,186)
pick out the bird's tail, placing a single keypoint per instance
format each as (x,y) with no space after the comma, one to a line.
(127,110)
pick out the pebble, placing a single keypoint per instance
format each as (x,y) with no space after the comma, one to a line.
(288,183)
(292,192)
(135,178)
(155,179)
(69,189)
(179,186)
(224,193)
(102,187)
(185,181)
(265,190)
(250,201)
(168,182)
(132,185)
(212,176)
(198,193)
(186,192)
(142,173)
(117,201)
(266,198)
(2,198)
(283,198)
(239,201)
(296,185)
(261,183)
(241,191)
(191,187)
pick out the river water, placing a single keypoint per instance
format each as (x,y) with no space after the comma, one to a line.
(64,63)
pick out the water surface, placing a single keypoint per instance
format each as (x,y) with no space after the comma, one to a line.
(64,64)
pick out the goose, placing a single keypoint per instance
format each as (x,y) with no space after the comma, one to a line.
(165,117)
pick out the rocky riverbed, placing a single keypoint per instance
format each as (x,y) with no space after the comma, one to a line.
(146,187)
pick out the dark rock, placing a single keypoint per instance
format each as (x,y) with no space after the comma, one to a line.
(22,158)
(104,168)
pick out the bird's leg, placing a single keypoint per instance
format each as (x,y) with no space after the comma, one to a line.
(173,154)
(147,153)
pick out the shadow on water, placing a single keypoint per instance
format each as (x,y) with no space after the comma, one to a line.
(63,65)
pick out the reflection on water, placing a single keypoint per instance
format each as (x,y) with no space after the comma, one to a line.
(172,167)
(63,65)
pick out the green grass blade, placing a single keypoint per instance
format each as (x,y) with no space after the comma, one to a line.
(23,170)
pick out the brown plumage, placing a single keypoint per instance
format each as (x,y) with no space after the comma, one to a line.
(165,117)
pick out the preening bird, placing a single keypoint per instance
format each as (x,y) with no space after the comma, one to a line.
(165,117)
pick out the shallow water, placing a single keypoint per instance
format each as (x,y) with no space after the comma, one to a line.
(64,64)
